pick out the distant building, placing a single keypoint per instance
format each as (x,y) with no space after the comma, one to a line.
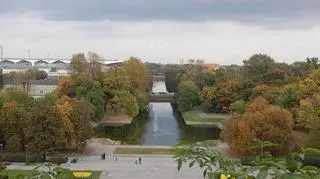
(54,67)
(37,88)
(212,66)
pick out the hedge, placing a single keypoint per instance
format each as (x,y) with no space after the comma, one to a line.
(21,157)
(58,160)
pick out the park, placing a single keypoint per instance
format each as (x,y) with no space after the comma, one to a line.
(232,121)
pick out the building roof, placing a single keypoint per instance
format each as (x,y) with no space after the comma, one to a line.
(213,66)
(53,61)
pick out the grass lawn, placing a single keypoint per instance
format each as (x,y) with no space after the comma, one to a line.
(156,151)
(196,116)
(14,173)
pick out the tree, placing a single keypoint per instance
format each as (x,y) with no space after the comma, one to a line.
(115,79)
(225,94)
(206,96)
(313,61)
(66,87)
(257,67)
(138,73)
(64,105)
(24,79)
(300,69)
(260,121)
(80,116)
(46,133)
(94,62)
(78,64)
(15,121)
(239,107)
(208,78)
(20,97)
(171,79)
(187,95)
(1,79)
(91,90)
(124,102)
(41,75)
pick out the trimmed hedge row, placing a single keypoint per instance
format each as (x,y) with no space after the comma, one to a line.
(30,158)
(21,157)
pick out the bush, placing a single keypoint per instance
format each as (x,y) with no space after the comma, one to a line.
(311,157)
(58,160)
(21,157)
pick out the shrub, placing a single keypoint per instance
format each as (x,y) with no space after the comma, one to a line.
(21,157)
(58,160)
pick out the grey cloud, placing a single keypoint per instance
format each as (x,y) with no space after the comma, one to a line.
(276,12)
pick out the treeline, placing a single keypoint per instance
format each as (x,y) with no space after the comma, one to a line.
(269,101)
(63,120)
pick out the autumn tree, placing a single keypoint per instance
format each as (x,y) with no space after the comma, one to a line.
(225,94)
(78,64)
(263,122)
(115,79)
(80,117)
(45,132)
(20,97)
(65,107)
(206,97)
(117,88)
(66,87)
(124,102)
(139,75)
(15,121)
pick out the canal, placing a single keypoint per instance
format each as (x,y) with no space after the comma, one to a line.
(161,125)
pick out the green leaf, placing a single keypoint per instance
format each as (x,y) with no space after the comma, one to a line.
(179,164)
(204,173)
(263,173)
(191,164)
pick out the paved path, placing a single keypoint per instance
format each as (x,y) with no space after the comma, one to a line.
(152,167)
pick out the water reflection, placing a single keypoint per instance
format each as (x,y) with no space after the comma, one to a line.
(161,125)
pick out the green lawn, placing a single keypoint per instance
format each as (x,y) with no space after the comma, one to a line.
(14,173)
(195,116)
(155,151)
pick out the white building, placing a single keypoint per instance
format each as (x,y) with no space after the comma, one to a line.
(54,67)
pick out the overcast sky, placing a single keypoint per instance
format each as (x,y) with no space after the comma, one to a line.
(218,31)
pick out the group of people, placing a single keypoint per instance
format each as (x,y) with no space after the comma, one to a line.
(136,162)
(103,157)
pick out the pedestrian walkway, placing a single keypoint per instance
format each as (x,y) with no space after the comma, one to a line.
(151,168)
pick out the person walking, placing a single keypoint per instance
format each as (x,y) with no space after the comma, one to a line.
(139,160)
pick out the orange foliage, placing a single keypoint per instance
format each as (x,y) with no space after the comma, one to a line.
(225,95)
(261,87)
(64,87)
(9,104)
(257,104)
(261,121)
